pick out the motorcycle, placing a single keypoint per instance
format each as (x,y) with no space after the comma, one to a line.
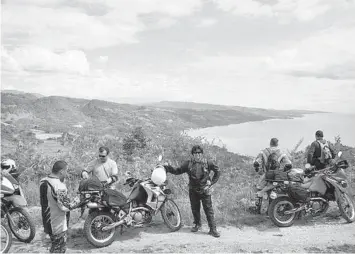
(13,204)
(264,197)
(313,195)
(110,209)
(7,235)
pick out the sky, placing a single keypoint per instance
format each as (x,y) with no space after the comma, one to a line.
(282,54)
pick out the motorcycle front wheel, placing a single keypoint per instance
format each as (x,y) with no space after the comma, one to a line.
(93,229)
(277,212)
(171,215)
(6,238)
(346,207)
(21,224)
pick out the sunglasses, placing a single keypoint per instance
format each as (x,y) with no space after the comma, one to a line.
(102,156)
(197,153)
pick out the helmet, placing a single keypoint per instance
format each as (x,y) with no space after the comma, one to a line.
(159,175)
(8,164)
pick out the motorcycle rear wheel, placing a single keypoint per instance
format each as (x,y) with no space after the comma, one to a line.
(167,214)
(93,225)
(24,222)
(276,212)
(6,233)
(350,207)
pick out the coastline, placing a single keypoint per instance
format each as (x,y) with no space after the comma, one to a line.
(242,138)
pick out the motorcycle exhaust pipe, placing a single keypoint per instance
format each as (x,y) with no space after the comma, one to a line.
(319,199)
(295,210)
(140,208)
(113,225)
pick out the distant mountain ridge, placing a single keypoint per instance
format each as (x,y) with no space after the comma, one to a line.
(21,92)
(58,113)
(21,112)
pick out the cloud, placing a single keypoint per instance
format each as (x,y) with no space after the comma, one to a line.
(8,63)
(207,22)
(262,53)
(97,84)
(282,10)
(326,54)
(35,59)
(103,59)
(75,24)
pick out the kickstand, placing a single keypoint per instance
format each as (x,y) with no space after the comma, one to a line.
(121,231)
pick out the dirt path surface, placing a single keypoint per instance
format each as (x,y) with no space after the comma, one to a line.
(324,235)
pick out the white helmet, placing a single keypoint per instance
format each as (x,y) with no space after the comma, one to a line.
(8,164)
(159,175)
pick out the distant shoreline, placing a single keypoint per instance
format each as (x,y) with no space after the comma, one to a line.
(244,138)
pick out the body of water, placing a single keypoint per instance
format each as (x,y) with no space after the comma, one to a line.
(249,138)
(44,136)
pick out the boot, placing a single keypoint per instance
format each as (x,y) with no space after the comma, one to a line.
(213,232)
(196,228)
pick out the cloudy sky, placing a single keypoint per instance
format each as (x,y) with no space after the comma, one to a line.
(279,54)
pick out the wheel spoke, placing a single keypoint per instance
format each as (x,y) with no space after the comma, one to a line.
(96,228)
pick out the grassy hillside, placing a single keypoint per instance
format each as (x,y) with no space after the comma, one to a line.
(56,113)
(136,136)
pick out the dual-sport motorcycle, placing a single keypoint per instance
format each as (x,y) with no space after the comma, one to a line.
(110,209)
(13,208)
(6,237)
(264,197)
(313,195)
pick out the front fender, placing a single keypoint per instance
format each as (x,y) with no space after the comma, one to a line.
(338,187)
(339,190)
(17,200)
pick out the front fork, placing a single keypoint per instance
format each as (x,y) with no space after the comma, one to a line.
(5,213)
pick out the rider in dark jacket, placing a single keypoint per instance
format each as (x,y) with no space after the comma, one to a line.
(200,182)
(315,156)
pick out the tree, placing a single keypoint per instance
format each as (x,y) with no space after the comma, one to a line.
(137,139)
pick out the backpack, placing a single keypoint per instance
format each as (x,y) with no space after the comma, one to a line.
(325,153)
(272,162)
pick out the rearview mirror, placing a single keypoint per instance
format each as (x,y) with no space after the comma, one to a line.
(128,173)
(340,153)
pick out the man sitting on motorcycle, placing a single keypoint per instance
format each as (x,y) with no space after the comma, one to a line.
(104,168)
(270,158)
(198,169)
(321,153)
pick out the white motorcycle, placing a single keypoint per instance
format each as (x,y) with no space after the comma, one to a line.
(110,209)
(14,208)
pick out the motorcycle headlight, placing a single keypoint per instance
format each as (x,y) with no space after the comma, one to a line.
(344,184)
(273,195)
(87,195)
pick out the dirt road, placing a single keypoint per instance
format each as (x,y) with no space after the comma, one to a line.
(328,234)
